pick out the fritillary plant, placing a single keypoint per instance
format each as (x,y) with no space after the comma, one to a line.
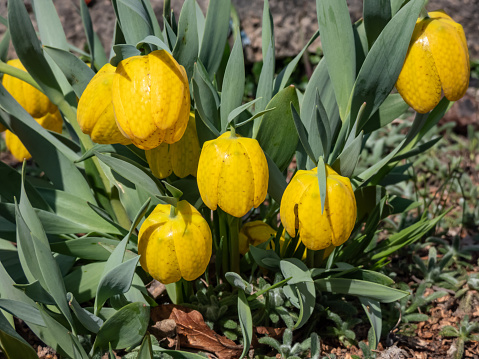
(163,169)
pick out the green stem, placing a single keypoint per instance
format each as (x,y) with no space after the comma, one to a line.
(233,223)
(310,258)
(19,74)
(223,237)
(179,292)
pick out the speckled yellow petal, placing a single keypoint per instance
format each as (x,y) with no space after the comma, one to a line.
(159,161)
(186,152)
(341,201)
(208,174)
(95,109)
(32,100)
(16,147)
(51,121)
(235,183)
(259,166)
(419,83)
(450,57)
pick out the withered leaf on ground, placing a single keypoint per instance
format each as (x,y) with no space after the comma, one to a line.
(194,333)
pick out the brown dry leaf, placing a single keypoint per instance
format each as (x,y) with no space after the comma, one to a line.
(194,333)
(275,333)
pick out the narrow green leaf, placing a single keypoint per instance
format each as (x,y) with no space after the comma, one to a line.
(372,308)
(237,111)
(277,133)
(132,319)
(337,39)
(4,45)
(23,311)
(322,182)
(123,51)
(376,14)
(265,258)
(97,52)
(392,107)
(303,137)
(187,46)
(13,345)
(233,83)
(87,319)
(348,159)
(276,182)
(200,22)
(417,150)
(362,288)
(75,70)
(83,281)
(214,38)
(152,18)
(92,248)
(35,291)
(152,40)
(246,322)
(134,20)
(319,133)
(146,349)
(384,62)
(49,25)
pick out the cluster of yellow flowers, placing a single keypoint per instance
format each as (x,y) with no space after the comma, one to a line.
(145,101)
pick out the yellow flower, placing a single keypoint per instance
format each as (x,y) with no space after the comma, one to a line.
(233,174)
(301,209)
(173,246)
(254,233)
(51,121)
(36,104)
(151,99)
(95,109)
(32,100)
(437,57)
(181,157)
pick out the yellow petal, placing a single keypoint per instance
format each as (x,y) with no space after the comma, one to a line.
(450,56)
(159,161)
(95,109)
(186,152)
(418,82)
(208,174)
(259,165)
(16,147)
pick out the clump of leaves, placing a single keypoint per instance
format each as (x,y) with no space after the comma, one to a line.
(466,332)
(288,350)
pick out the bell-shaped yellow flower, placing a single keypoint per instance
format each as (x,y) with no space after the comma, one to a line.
(301,209)
(151,99)
(437,58)
(51,121)
(95,109)
(36,104)
(32,100)
(233,174)
(254,233)
(175,245)
(180,157)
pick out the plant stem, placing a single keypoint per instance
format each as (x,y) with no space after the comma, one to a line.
(223,240)
(233,223)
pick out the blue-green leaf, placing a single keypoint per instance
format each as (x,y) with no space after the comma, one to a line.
(134,20)
(13,345)
(187,46)
(376,14)
(246,322)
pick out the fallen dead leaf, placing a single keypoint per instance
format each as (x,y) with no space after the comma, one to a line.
(194,333)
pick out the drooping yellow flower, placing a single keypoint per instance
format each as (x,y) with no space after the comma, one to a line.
(301,209)
(254,233)
(36,104)
(51,121)
(151,99)
(233,174)
(437,58)
(174,246)
(32,100)
(180,157)
(95,109)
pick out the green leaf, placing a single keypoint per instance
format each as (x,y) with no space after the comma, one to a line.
(146,349)
(265,258)
(296,269)
(361,288)
(246,322)
(178,354)
(235,280)
(152,18)
(35,291)
(348,159)
(417,150)
(4,45)
(337,40)
(214,37)
(26,312)
(372,308)
(87,319)
(283,77)
(152,40)
(277,133)
(233,83)
(376,14)
(132,319)
(49,25)
(123,51)
(276,181)
(83,281)
(186,48)
(238,111)
(322,182)
(384,62)
(135,173)
(13,345)
(64,341)
(319,132)
(75,70)
(97,53)
(392,107)
(303,136)
(134,20)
